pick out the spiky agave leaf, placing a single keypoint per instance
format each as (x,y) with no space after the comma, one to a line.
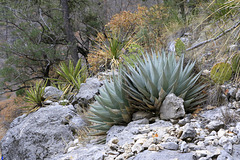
(110,108)
(156,76)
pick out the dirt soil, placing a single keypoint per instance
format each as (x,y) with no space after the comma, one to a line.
(10,108)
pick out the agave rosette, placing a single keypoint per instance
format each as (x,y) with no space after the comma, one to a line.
(156,76)
(111,107)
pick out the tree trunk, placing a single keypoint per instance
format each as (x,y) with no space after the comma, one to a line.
(68,31)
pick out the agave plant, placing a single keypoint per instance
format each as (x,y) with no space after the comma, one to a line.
(110,108)
(153,78)
(35,94)
(71,77)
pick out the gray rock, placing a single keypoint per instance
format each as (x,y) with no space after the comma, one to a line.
(87,91)
(172,108)
(232,92)
(236,151)
(201,153)
(213,114)
(115,131)
(140,115)
(224,156)
(223,140)
(209,140)
(131,130)
(228,147)
(159,124)
(238,127)
(76,123)
(184,148)
(169,145)
(137,147)
(215,125)
(163,155)
(91,152)
(183,121)
(238,95)
(38,135)
(52,93)
(188,134)
(148,142)
(47,102)
(153,147)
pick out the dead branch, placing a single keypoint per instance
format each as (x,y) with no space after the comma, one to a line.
(213,39)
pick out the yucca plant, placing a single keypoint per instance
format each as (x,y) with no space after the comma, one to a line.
(71,77)
(110,108)
(156,76)
(35,94)
(111,46)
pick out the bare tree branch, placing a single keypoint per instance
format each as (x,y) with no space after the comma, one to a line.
(9,89)
(213,39)
(14,90)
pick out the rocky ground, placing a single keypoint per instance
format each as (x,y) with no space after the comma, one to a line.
(51,132)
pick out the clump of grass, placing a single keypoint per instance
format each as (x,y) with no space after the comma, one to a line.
(215,96)
(229,116)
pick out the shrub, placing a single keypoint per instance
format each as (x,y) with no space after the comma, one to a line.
(180,47)
(236,63)
(109,48)
(21,92)
(221,72)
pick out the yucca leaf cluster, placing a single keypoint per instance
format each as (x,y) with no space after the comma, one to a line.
(144,86)
(156,76)
(111,107)
(71,77)
(35,94)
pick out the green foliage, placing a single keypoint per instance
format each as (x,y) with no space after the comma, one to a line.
(153,78)
(236,63)
(180,47)
(35,94)
(134,51)
(221,9)
(111,47)
(221,72)
(21,92)
(71,77)
(111,107)
(40,37)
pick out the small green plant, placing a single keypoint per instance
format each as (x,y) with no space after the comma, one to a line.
(221,72)
(21,92)
(236,63)
(111,107)
(134,51)
(222,9)
(35,94)
(153,78)
(180,47)
(112,46)
(70,77)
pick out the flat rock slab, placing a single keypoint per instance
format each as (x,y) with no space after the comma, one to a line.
(163,155)
(91,152)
